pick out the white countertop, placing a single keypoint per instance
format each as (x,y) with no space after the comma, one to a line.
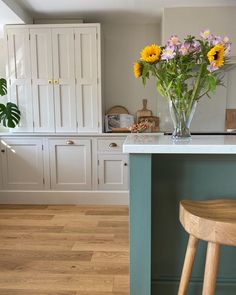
(164,144)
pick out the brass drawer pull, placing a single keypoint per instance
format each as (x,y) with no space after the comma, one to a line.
(125,164)
(112,144)
(3,151)
(70,142)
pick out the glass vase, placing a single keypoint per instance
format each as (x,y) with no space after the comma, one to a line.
(182,118)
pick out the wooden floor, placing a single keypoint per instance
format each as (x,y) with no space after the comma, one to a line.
(64,250)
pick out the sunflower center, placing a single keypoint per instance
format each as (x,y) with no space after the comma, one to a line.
(216,55)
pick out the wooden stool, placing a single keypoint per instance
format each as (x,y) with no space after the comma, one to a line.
(211,221)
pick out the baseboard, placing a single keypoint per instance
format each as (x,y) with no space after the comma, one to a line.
(195,288)
(64,197)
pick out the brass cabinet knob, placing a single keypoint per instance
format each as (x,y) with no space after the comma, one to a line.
(112,144)
(2,151)
(69,142)
(49,81)
(56,81)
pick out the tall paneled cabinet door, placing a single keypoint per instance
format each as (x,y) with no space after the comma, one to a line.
(113,172)
(70,164)
(42,79)
(86,73)
(22,164)
(19,75)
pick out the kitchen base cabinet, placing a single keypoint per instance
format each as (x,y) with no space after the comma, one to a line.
(70,164)
(63,170)
(113,172)
(22,164)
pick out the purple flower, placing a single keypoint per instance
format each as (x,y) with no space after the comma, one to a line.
(217,40)
(227,49)
(173,41)
(168,53)
(206,34)
(212,67)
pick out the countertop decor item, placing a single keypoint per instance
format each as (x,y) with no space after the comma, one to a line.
(138,127)
(185,72)
(152,123)
(143,112)
(118,110)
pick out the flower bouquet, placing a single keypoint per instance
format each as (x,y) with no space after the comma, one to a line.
(185,72)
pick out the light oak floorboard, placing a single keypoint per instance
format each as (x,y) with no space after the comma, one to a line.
(64,250)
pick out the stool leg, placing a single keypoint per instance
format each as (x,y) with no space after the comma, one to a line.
(212,259)
(188,264)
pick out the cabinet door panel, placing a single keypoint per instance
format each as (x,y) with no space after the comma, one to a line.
(70,164)
(86,71)
(22,163)
(64,75)
(113,172)
(19,76)
(42,79)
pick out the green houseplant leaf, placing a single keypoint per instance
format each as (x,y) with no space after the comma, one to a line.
(9,112)
(9,115)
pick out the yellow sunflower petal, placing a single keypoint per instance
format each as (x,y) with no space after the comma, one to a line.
(151,53)
(137,70)
(216,55)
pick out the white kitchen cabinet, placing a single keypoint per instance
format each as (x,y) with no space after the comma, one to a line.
(86,71)
(113,172)
(54,73)
(22,164)
(70,164)
(19,75)
(112,164)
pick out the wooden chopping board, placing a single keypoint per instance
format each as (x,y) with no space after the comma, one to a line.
(230,119)
(144,112)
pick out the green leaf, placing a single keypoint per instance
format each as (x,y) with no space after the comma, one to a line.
(211,82)
(160,88)
(9,115)
(3,86)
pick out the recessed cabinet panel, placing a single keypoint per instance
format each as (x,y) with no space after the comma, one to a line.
(22,162)
(113,172)
(42,79)
(64,79)
(86,73)
(70,162)
(19,75)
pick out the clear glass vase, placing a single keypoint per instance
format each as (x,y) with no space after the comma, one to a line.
(182,118)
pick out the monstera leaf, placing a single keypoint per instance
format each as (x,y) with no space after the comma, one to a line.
(9,114)
(3,86)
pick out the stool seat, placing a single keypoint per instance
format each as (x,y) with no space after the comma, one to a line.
(212,221)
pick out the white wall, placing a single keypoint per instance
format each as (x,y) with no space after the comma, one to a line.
(210,114)
(122,44)
(2,59)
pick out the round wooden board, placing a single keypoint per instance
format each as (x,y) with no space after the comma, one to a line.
(118,110)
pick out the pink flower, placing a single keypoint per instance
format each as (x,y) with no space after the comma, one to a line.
(173,41)
(168,53)
(185,48)
(212,67)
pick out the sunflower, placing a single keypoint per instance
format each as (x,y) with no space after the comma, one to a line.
(137,70)
(216,55)
(151,53)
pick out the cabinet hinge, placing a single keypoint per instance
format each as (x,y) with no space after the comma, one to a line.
(33,124)
(98,162)
(74,36)
(29,36)
(97,36)
(43,181)
(98,180)
(7,37)
(98,124)
(42,147)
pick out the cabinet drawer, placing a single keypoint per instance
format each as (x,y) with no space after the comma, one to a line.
(110,145)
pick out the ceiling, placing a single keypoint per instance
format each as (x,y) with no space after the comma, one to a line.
(131,11)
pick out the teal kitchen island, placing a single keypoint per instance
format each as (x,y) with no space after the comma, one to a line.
(162,172)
